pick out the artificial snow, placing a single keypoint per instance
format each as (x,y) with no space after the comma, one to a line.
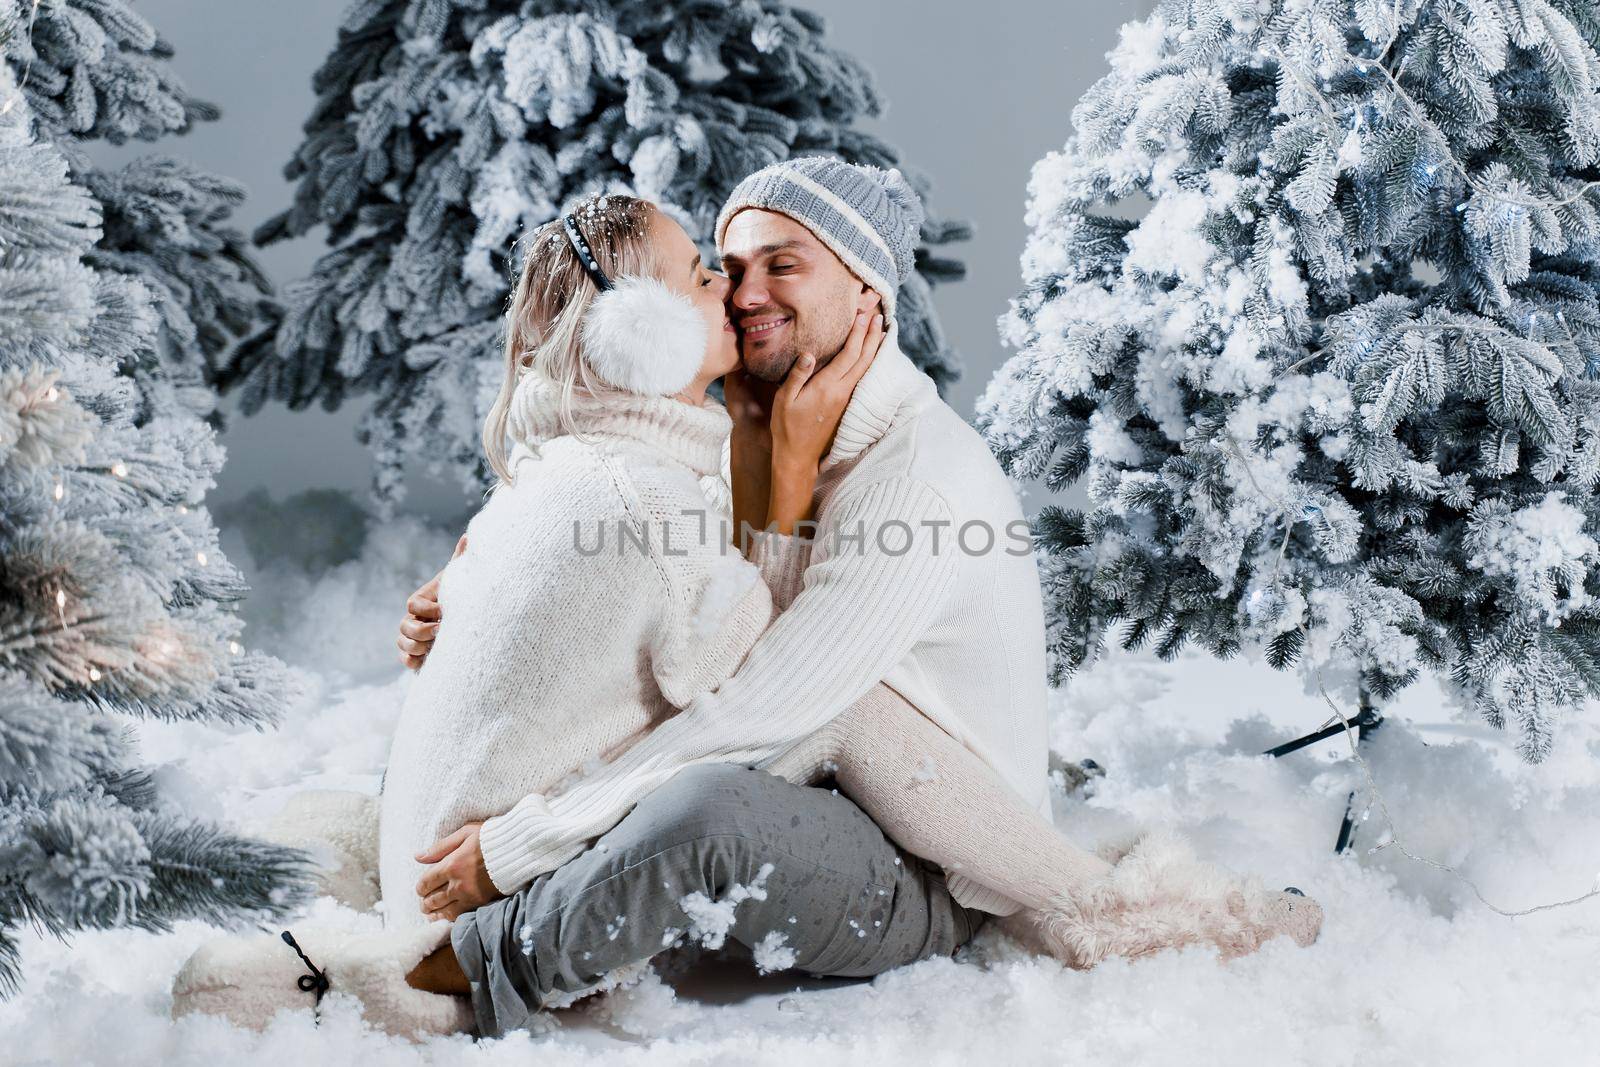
(772,953)
(1168,241)
(1410,968)
(711,919)
(1541,548)
(730,580)
(1349,157)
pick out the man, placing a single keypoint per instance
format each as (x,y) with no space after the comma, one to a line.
(920,581)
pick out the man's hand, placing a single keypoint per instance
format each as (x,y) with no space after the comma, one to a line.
(423,615)
(458,881)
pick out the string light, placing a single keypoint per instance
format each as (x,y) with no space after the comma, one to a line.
(1375,796)
(1395,843)
(5,109)
(118,469)
(163,651)
(1409,327)
(1422,117)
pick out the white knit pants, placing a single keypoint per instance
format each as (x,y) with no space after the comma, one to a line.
(936,799)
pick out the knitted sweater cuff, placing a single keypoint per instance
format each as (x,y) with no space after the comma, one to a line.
(782,561)
(523,844)
(970,894)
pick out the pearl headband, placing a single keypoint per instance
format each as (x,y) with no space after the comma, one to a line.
(585,256)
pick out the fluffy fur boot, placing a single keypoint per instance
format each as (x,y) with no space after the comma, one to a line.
(249,979)
(340,830)
(1158,896)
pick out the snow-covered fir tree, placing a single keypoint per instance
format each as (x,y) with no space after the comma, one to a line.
(445,129)
(1333,395)
(115,602)
(96,71)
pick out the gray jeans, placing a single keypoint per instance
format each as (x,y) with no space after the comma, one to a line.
(847,901)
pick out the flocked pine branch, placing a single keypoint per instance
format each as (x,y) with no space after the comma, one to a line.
(114,600)
(1333,395)
(445,129)
(96,70)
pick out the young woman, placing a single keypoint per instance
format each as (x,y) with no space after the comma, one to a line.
(598,594)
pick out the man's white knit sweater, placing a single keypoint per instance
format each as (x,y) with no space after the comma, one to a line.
(554,655)
(922,601)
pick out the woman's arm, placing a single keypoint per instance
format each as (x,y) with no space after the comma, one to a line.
(750,451)
(783,477)
(805,416)
(791,507)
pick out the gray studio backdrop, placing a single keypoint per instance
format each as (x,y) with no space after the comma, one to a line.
(977,91)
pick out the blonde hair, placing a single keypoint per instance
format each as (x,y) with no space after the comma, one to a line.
(544,316)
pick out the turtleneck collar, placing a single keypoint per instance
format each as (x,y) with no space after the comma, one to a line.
(691,435)
(892,382)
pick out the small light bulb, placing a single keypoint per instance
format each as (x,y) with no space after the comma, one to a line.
(52,394)
(94,675)
(61,490)
(182,509)
(119,469)
(61,599)
(201,556)
(235,647)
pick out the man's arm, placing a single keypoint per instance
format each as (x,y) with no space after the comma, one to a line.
(423,615)
(861,611)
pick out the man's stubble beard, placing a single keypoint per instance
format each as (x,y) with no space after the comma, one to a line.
(774,366)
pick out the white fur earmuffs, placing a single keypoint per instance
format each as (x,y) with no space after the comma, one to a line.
(642,337)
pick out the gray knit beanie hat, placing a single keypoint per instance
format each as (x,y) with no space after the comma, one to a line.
(870,218)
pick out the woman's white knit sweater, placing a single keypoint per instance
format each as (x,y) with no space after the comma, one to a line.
(554,656)
(919,603)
